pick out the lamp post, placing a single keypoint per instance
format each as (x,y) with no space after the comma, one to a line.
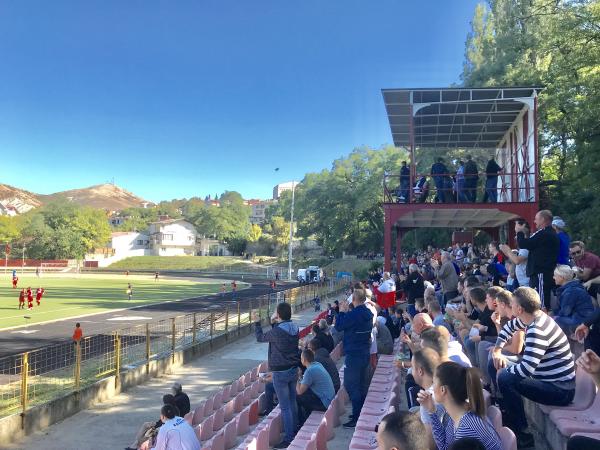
(291,233)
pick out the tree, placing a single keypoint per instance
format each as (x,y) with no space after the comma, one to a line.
(555,44)
(10,229)
(255,233)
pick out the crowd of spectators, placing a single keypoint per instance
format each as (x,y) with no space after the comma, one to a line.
(469,320)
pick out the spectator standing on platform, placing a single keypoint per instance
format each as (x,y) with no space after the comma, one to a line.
(563,251)
(439,173)
(545,374)
(315,389)
(182,401)
(589,266)
(574,302)
(284,361)
(471,179)
(404,184)
(461,196)
(491,182)
(356,325)
(175,433)
(543,246)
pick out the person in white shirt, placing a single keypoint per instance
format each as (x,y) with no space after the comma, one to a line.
(175,433)
(388,284)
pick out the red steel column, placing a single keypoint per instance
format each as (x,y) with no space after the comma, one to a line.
(387,241)
(399,235)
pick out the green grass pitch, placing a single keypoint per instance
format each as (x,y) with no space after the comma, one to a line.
(71,295)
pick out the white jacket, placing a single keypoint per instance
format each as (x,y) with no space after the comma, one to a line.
(176,434)
(387,286)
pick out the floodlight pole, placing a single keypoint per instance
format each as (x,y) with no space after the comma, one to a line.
(291,233)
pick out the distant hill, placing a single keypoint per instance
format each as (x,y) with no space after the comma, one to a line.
(102,196)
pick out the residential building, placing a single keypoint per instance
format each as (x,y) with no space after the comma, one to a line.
(172,237)
(258,208)
(282,187)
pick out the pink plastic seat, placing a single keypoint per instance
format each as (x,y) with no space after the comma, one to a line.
(365,440)
(254,373)
(217,442)
(320,435)
(570,422)
(495,416)
(260,441)
(508,438)
(255,388)
(304,444)
(585,391)
(276,427)
(206,429)
(242,421)
(226,393)
(219,418)
(189,417)
(233,389)
(238,402)
(263,367)
(368,423)
(198,414)
(208,407)
(217,400)
(230,432)
(487,398)
(247,396)
(253,412)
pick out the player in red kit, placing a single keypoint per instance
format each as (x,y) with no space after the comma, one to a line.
(22,299)
(15,280)
(38,295)
(29,298)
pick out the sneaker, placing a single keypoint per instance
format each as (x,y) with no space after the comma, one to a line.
(282,444)
(350,424)
(524,440)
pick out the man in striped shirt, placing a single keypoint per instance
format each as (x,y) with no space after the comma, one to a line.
(546,372)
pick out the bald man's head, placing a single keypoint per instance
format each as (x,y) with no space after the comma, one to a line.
(421,322)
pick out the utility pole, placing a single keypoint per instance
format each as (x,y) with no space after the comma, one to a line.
(23,262)
(291,233)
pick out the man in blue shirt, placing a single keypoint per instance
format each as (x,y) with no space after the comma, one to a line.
(356,325)
(315,389)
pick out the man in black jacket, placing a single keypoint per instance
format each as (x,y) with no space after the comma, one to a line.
(182,401)
(322,356)
(284,361)
(414,287)
(543,246)
(471,178)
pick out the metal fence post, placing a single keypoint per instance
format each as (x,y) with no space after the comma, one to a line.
(194,329)
(173,339)
(77,365)
(226,320)
(24,374)
(239,316)
(212,326)
(147,348)
(117,354)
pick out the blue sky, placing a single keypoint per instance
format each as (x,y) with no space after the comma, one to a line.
(183,98)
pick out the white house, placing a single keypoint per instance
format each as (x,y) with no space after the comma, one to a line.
(130,244)
(173,237)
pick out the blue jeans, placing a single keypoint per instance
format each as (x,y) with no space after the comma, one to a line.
(567,324)
(410,309)
(511,360)
(514,387)
(491,189)
(284,383)
(355,380)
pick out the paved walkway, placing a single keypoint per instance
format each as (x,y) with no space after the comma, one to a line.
(112,424)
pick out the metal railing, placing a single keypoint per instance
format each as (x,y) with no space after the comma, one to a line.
(37,377)
(446,188)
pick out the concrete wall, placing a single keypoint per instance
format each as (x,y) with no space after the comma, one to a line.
(40,417)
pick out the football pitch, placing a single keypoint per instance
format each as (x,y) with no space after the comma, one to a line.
(72,295)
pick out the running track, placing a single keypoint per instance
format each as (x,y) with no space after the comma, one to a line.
(38,335)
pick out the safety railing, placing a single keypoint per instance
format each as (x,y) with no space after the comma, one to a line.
(39,376)
(468,188)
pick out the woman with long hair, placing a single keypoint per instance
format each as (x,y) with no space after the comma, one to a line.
(458,389)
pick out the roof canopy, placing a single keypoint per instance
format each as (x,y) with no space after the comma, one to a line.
(455,218)
(455,117)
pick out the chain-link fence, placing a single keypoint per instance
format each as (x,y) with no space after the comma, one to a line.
(39,376)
